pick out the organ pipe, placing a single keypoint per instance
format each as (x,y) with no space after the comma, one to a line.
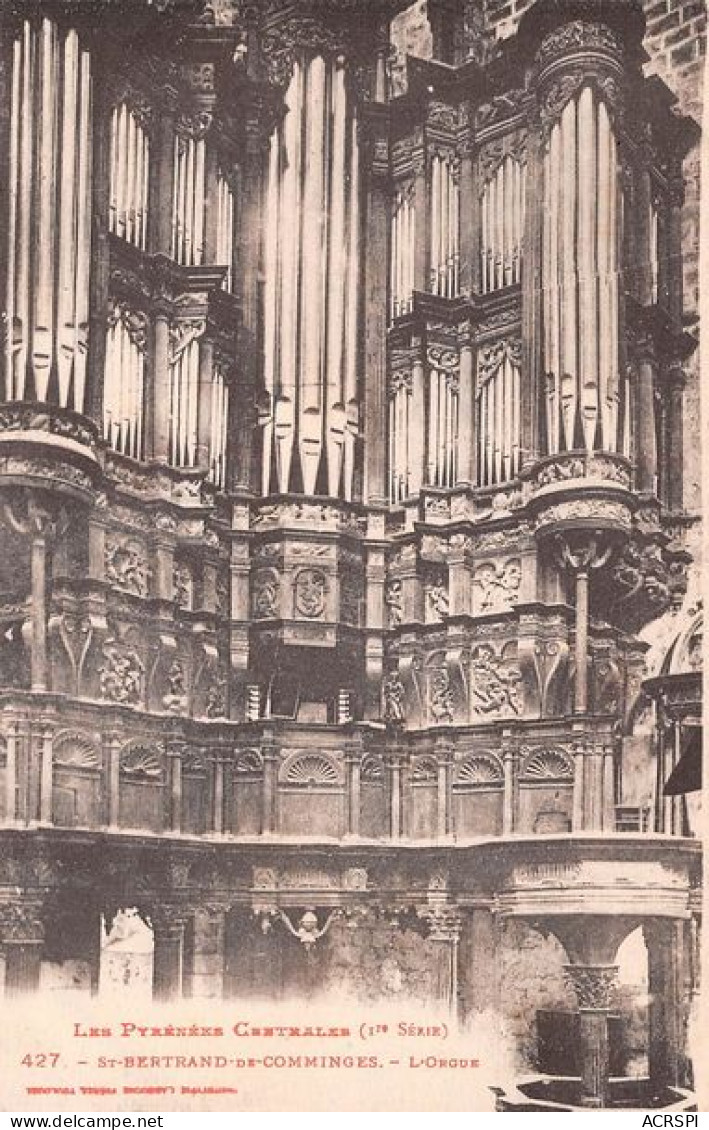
(580,280)
(124,382)
(311,291)
(498,421)
(218,431)
(129,177)
(225,230)
(184,392)
(403,238)
(502,225)
(445,234)
(188,200)
(48,216)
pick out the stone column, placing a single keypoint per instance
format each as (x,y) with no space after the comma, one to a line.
(396,764)
(168,953)
(113,769)
(445,925)
(174,762)
(593,985)
(665,992)
(12,741)
(217,798)
(675,453)
(157,400)
(23,940)
(577,812)
(40,529)
(270,783)
(444,757)
(353,755)
(205,975)
(46,775)
(646,436)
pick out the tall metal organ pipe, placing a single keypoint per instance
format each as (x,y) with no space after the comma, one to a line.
(48,217)
(586,400)
(311,293)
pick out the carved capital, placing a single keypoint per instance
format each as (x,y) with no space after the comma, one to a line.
(594,986)
(21,922)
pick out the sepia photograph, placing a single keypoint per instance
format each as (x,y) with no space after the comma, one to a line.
(351,610)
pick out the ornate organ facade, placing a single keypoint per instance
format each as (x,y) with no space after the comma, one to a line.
(340,471)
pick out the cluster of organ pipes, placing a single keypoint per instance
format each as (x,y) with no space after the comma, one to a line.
(312,284)
(188,200)
(224,251)
(445,225)
(498,419)
(124,382)
(218,430)
(404,436)
(129,177)
(580,279)
(403,251)
(184,393)
(442,432)
(502,225)
(49,216)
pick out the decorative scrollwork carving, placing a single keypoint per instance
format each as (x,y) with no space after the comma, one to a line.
(265,594)
(492,356)
(498,584)
(594,985)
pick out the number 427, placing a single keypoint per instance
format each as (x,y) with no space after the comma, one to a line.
(41,1059)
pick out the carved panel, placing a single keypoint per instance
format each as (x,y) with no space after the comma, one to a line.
(141,761)
(305,769)
(548,765)
(495,684)
(496,585)
(265,594)
(122,674)
(76,751)
(126,567)
(310,592)
(249,763)
(480,769)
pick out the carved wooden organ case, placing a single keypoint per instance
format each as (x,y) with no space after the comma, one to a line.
(327,406)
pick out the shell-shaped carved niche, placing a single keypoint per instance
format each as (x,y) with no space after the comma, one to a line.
(548,765)
(75,750)
(305,769)
(249,763)
(141,761)
(372,771)
(481,769)
(424,770)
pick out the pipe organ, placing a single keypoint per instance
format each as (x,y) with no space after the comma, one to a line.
(311,300)
(403,251)
(129,176)
(498,413)
(184,392)
(48,216)
(124,383)
(580,271)
(445,226)
(502,224)
(225,226)
(218,426)
(188,200)
(443,413)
